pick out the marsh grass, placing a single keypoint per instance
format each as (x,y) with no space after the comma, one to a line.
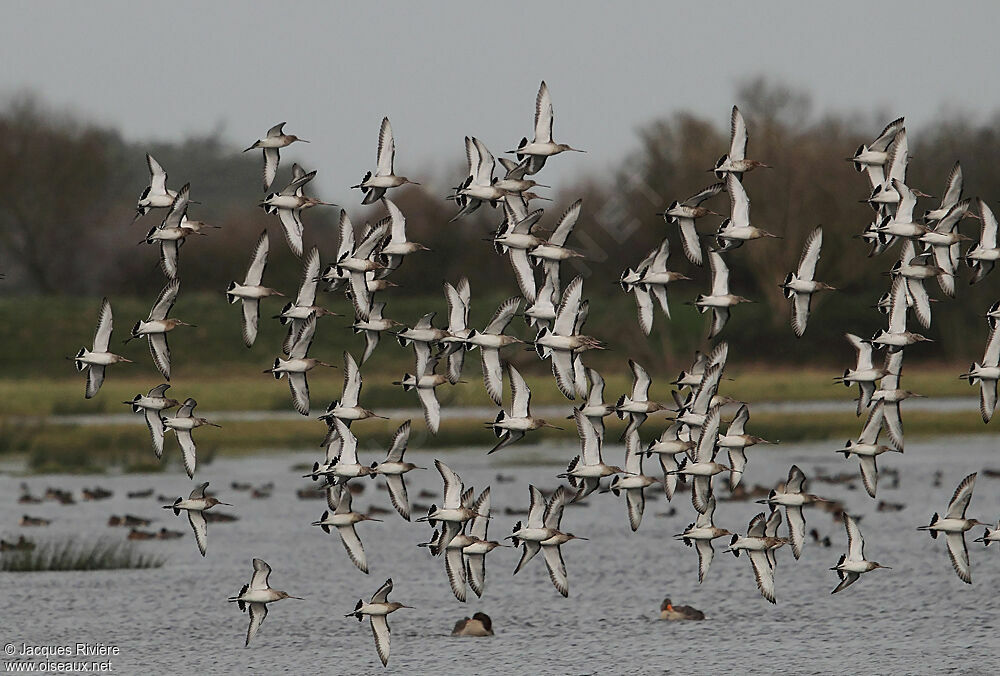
(72,554)
(87,449)
(64,396)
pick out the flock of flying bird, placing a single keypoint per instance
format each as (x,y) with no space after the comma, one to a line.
(687,449)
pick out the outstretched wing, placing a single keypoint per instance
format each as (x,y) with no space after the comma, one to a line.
(258,611)
(738,136)
(386,154)
(200,528)
(543,115)
(105,324)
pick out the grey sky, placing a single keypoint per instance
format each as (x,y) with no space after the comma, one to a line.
(169,69)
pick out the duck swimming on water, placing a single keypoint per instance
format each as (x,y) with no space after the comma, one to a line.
(478,625)
(668,611)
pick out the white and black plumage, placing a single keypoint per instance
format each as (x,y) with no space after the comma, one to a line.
(251,290)
(564,342)
(986,374)
(736,229)
(693,376)
(514,181)
(170,233)
(394,467)
(334,275)
(760,543)
(257,595)
(377,609)
(542,533)
(702,465)
(865,374)
(358,262)
(297,365)
(891,394)
(793,497)
(915,269)
(457,505)
(374,186)
(719,300)
(295,314)
(873,156)
(637,405)
(954,524)
(884,198)
(398,246)
(196,505)
(348,407)
(480,185)
(595,408)
(952,196)
(693,410)
(513,426)
(96,360)
(516,240)
(182,424)
(538,526)
(424,380)
(422,336)
(633,481)
(150,406)
(459,297)
(648,281)
(156,195)
(541,146)
(489,341)
(736,441)
(275,139)
(702,532)
(373,327)
(800,285)
(867,448)
(289,205)
(984,255)
(542,312)
(586,470)
(554,249)
(673,441)
(853,564)
(896,336)
(685,213)
(643,301)
(157,325)
(343,518)
(943,240)
(479,546)
(735,163)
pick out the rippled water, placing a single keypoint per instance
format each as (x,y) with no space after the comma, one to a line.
(917,618)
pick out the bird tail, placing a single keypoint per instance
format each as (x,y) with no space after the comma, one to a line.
(934,520)
(858,167)
(788,280)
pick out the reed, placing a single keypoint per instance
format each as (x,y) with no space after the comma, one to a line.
(74,554)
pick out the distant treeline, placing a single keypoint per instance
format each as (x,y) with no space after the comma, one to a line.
(67,190)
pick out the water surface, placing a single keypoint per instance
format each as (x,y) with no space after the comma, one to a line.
(917,618)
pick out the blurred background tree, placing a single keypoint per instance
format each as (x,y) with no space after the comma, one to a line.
(68,186)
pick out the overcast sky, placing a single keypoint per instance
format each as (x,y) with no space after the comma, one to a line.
(166,70)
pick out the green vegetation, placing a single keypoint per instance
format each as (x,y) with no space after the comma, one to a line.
(50,448)
(71,554)
(211,365)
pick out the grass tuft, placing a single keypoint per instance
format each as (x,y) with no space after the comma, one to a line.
(71,554)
